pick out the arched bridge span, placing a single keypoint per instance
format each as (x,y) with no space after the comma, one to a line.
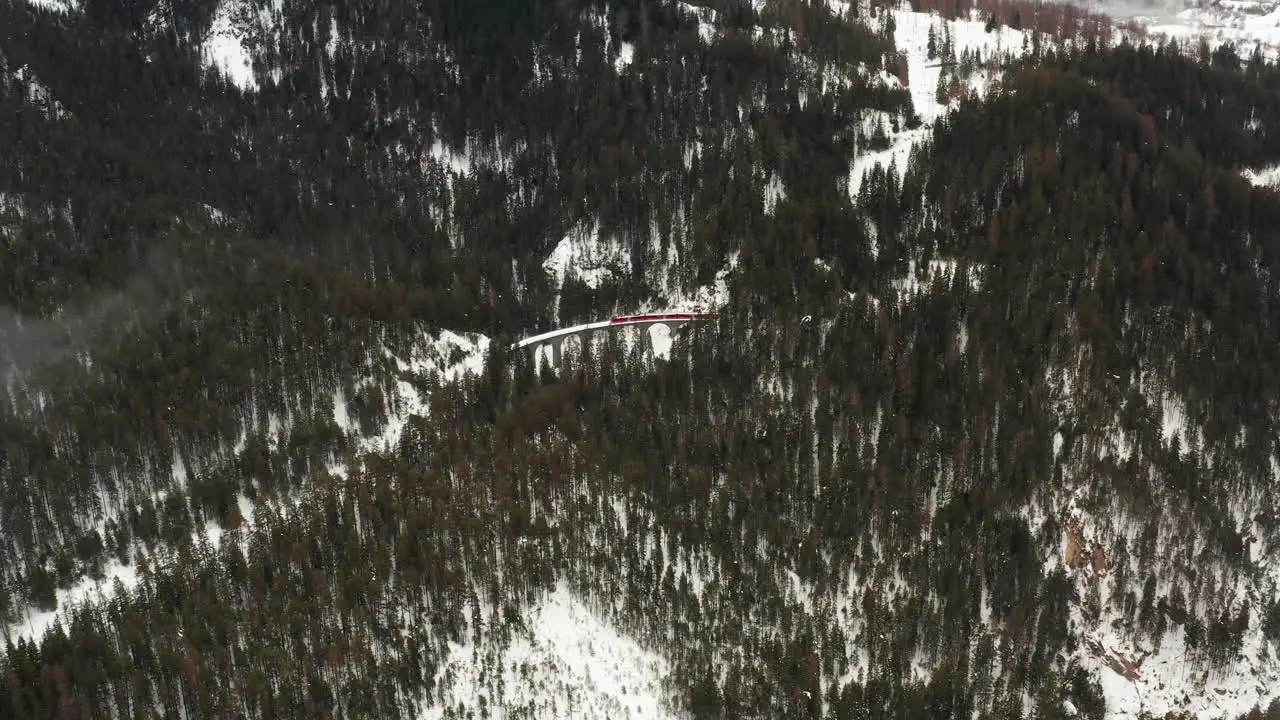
(555,338)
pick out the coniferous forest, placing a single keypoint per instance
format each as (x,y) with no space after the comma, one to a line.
(985,430)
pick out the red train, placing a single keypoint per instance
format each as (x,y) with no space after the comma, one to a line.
(662,316)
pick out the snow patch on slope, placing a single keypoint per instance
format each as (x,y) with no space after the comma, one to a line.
(1173,419)
(707,298)
(1166,680)
(582,254)
(911,36)
(65,6)
(225,50)
(626,54)
(35,623)
(1268,177)
(38,94)
(923,277)
(450,355)
(563,661)
(706,18)
(458,163)
(445,355)
(1153,677)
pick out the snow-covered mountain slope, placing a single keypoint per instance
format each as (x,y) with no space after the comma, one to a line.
(438,357)
(1246,24)
(778,551)
(1167,673)
(561,660)
(1139,676)
(932,46)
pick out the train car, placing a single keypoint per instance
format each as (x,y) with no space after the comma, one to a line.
(656,317)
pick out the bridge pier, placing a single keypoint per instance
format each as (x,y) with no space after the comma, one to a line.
(646,341)
(557,347)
